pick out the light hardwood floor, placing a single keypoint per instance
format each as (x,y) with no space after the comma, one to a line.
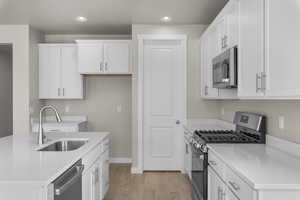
(148,186)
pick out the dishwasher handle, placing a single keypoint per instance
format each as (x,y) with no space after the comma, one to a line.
(66,184)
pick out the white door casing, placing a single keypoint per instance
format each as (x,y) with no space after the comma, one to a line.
(162,101)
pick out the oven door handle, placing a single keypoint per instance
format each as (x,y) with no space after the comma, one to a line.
(68,183)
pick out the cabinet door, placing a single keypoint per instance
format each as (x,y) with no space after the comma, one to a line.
(212,51)
(49,72)
(216,187)
(87,184)
(282,48)
(232,26)
(95,183)
(117,57)
(251,57)
(71,79)
(208,50)
(222,34)
(90,58)
(91,183)
(105,174)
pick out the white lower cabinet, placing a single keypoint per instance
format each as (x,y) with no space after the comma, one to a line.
(224,184)
(216,187)
(104,174)
(91,183)
(220,189)
(95,179)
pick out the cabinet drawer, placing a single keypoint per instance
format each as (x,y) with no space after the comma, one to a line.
(216,164)
(238,186)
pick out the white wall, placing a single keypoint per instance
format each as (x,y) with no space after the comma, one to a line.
(20,37)
(272,109)
(6,122)
(35,37)
(196,107)
(103,95)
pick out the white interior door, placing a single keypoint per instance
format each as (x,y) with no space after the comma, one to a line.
(163,105)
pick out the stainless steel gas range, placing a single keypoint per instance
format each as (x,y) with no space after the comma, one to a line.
(250,128)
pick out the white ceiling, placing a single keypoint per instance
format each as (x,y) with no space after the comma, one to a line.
(105,16)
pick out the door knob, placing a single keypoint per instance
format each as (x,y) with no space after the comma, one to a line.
(177,122)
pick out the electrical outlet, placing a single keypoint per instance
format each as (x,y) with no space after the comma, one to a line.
(67,109)
(222,111)
(119,108)
(281,122)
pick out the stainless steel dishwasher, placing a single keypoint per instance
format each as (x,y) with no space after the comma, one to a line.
(69,185)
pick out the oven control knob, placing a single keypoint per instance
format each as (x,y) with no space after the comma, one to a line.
(198,146)
(204,148)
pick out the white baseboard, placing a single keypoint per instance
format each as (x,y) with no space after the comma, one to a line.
(120,160)
(135,170)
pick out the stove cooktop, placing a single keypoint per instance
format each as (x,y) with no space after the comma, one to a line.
(224,136)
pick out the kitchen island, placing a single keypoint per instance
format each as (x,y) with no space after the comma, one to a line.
(27,173)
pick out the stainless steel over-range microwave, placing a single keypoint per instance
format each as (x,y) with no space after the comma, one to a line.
(225,69)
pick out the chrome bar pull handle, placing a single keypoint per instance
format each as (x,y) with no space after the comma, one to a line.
(258,84)
(263,80)
(101,66)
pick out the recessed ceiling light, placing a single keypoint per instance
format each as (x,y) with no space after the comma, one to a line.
(81,19)
(166,19)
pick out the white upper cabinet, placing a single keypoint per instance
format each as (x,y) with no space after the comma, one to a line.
(58,74)
(227,27)
(117,57)
(49,72)
(282,49)
(220,35)
(90,58)
(104,56)
(251,49)
(266,33)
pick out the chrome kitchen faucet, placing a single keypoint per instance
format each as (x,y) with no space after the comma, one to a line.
(41,136)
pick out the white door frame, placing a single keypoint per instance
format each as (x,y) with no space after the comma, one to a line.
(140,104)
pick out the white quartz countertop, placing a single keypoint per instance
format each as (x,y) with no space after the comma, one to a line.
(261,166)
(20,162)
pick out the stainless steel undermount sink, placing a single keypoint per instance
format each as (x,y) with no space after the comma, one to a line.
(64,145)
